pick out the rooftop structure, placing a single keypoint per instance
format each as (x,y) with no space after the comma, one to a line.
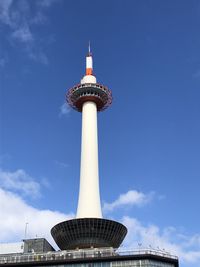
(102,257)
(32,245)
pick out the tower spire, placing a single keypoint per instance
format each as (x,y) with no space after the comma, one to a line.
(89,48)
(89,63)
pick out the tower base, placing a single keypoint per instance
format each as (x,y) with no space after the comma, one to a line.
(87,233)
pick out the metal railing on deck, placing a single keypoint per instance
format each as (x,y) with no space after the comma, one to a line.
(77,254)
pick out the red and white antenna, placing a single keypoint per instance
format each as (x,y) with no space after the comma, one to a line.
(89,63)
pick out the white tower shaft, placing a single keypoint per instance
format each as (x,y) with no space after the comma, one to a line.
(89,205)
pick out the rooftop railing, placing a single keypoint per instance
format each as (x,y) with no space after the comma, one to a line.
(77,255)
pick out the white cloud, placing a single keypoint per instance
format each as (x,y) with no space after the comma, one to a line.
(187,248)
(196,74)
(169,239)
(15,15)
(2,62)
(20,17)
(46,3)
(131,198)
(15,213)
(19,181)
(39,18)
(61,164)
(23,34)
(5,11)
(64,109)
(38,56)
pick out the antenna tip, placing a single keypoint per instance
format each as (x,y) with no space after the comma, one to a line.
(89,49)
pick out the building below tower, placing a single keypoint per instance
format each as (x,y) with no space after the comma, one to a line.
(101,257)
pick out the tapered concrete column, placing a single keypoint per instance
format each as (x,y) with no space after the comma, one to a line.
(89,205)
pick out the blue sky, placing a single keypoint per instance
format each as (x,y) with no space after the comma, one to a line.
(147,53)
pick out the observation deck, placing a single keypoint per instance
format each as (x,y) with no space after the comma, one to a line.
(94,92)
(88,232)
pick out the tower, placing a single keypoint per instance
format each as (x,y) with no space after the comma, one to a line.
(96,237)
(89,229)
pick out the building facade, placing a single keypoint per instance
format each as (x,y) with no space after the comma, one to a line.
(104,257)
